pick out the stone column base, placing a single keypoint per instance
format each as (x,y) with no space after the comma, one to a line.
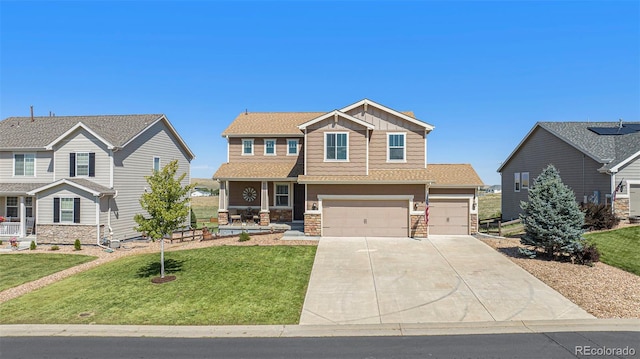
(474,223)
(418,226)
(621,207)
(223,217)
(264,218)
(313,224)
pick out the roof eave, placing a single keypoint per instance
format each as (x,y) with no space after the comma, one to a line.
(254,179)
(302,181)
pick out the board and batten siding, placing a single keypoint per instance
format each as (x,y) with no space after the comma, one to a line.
(316,164)
(131,165)
(235,150)
(45,204)
(43,167)
(541,149)
(82,141)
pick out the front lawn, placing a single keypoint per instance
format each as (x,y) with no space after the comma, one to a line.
(21,268)
(619,248)
(214,286)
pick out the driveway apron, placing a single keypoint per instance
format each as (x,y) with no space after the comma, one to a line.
(365,280)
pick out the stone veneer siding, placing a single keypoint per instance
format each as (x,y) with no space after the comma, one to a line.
(67,233)
(264,218)
(621,207)
(474,223)
(418,226)
(223,217)
(312,224)
(281,215)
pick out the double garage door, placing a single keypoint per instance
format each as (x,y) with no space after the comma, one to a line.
(390,218)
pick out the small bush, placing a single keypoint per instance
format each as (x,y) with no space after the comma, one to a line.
(0,242)
(598,217)
(55,247)
(588,255)
(32,246)
(244,236)
(76,245)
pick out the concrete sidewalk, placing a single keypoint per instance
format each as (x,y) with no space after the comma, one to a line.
(354,330)
(362,280)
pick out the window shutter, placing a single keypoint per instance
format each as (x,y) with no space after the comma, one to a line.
(92,164)
(76,210)
(56,210)
(72,165)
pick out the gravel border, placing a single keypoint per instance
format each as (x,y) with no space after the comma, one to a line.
(134,248)
(602,290)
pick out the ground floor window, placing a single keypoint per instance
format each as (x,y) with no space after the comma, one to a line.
(12,207)
(282,194)
(66,210)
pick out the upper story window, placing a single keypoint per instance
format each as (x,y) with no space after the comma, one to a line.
(396,149)
(82,164)
(525,180)
(516,182)
(24,164)
(247,147)
(336,146)
(292,147)
(270,147)
(156,164)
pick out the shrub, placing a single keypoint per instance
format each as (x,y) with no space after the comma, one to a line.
(194,219)
(588,255)
(77,245)
(244,236)
(54,247)
(552,219)
(598,217)
(32,246)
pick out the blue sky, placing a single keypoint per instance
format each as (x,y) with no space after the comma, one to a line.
(482,72)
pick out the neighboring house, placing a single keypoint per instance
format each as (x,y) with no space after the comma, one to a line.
(599,161)
(81,177)
(494,189)
(200,192)
(358,171)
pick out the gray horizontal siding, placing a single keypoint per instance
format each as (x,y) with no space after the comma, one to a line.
(45,204)
(43,169)
(577,171)
(83,141)
(630,172)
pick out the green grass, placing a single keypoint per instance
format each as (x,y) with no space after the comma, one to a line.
(619,248)
(489,205)
(214,286)
(21,268)
(205,207)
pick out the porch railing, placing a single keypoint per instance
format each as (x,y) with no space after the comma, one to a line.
(9,228)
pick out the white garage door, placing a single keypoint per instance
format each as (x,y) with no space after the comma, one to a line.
(379,218)
(634,200)
(448,216)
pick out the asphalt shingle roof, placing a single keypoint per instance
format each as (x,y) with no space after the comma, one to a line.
(19,188)
(259,170)
(606,149)
(21,132)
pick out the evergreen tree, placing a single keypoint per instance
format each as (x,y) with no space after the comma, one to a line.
(552,219)
(167,204)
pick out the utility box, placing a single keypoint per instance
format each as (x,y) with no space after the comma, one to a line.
(114,243)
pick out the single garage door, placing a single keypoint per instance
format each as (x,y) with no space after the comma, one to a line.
(370,218)
(634,200)
(448,216)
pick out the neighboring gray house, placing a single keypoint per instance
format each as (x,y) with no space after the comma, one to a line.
(80,177)
(599,161)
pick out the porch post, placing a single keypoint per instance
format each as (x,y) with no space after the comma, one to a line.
(223,212)
(264,204)
(23,219)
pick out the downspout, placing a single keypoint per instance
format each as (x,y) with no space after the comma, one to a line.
(97,201)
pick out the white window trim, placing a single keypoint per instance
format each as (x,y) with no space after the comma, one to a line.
(325,146)
(275,194)
(252,147)
(297,146)
(404,152)
(522,186)
(275,143)
(24,154)
(517,183)
(88,164)
(72,210)
(153,164)
(6,206)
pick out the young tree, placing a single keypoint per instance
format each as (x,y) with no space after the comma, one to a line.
(167,205)
(552,219)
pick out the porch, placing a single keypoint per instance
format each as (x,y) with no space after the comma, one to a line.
(17,216)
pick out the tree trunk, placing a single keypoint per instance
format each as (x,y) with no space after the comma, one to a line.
(162,257)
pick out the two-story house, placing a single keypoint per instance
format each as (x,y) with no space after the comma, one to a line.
(599,161)
(64,178)
(361,170)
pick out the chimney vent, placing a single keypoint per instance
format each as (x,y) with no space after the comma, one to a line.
(31,113)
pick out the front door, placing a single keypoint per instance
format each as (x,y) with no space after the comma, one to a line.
(298,202)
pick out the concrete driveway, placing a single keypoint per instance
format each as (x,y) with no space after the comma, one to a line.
(440,279)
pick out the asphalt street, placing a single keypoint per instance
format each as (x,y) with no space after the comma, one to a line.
(534,345)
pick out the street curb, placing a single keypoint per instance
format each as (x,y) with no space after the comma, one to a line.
(292,331)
